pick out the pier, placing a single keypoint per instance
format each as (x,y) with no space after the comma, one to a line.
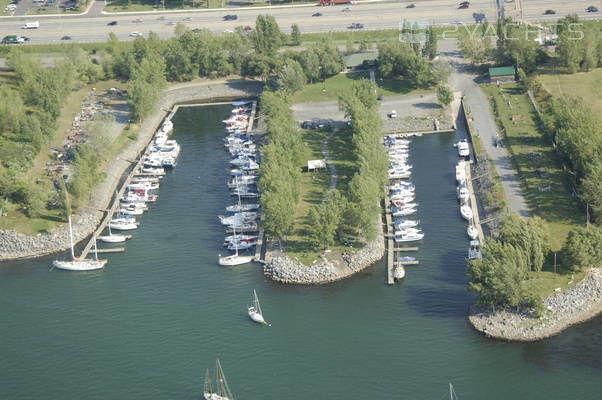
(473,202)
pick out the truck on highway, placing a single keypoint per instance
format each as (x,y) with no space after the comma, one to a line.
(334,2)
(31,25)
(12,39)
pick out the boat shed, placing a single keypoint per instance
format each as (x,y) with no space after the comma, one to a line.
(316,165)
(501,74)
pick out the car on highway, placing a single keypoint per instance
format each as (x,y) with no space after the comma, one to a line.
(463,6)
(25,38)
(549,12)
(187,19)
(356,25)
(230,17)
(411,5)
(162,17)
(592,9)
(465,3)
(134,34)
(346,9)
(66,38)
(171,23)
(112,23)
(138,20)
(197,30)
(316,15)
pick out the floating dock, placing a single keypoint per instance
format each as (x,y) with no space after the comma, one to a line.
(473,203)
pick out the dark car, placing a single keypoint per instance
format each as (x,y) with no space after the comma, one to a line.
(112,23)
(549,12)
(467,3)
(592,9)
(464,6)
(411,5)
(230,17)
(66,38)
(187,19)
(25,38)
(355,25)
(316,15)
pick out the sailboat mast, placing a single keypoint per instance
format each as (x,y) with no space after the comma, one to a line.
(71,239)
(220,379)
(451,392)
(95,249)
(256,301)
(208,388)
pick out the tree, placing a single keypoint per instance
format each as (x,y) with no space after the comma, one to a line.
(583,248)
(64,202)
(349,46)
(291,77)
(180,29)
(324,219)
(441,71)
(444,95)
(591,188)
(430,46)
(529,234)
(295,35)
(267,37)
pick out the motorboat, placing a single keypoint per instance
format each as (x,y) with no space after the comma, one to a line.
(406,223)
(399,272)
(474,251)
(407,230)
(402,212)
(460,172)
(472,232)
(243,207)
(145,179)
(144,185)
(79,264)
(466,212)
(137,205)
(462,191)
(410,187)
(463,148)
(244,227)
(400,175)
(131,211)
(153,171)
(406,259)
(401,204)
(408,236)
(123,226)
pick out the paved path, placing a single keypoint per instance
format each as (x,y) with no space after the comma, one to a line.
(465,81)
(333,171)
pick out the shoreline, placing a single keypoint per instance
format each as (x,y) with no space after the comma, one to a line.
(16,246)
(578,304)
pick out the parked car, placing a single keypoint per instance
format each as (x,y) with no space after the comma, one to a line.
(463,6)
(316,14)
(112,23)
(230,17)
(393,114)
(592,9)
(549,12)
(66,38)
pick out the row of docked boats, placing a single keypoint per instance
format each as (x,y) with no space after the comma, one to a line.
(160,155)
(463,195)
(241,218)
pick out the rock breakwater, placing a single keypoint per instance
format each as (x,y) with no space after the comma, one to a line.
(577,304)
(286,270)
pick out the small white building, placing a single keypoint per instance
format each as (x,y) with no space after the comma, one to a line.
(316,165)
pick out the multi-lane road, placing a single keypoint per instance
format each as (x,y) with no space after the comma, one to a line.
(93,26)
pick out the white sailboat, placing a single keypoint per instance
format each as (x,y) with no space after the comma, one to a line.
(113,238)
(254,310)
(466,212)
(472,232)
(222,391)
(79,264)
(234,259)
(399,272)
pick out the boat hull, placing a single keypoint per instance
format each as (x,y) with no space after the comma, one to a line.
(112,239)
(255,316)
(79,265)
(234,260)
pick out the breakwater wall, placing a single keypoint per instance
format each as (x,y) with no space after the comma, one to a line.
(577,304)
(15,245)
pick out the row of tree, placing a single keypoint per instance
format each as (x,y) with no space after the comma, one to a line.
(579,44)
(398,59)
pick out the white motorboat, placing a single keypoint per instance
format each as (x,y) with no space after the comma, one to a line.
(254,310)
(406,259)
(113,238)
(403,187)
(404,230)
(402,199)
(462,191)
(153,171)
(472,232)
(402,212)
(463,149)
(143,185)
(222,391)
(137,205)
(167,126)
(144,179)
(406,223)
(243,207)
(399,272)
(79,264)
(466,212)
(474,251)
(123,226)
(401,204)
(408,236)
(460,172)
(131,211)
(400,175)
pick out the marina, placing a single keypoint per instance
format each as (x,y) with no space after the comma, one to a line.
(165,312)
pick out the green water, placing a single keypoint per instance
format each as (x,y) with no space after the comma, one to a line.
(149,325)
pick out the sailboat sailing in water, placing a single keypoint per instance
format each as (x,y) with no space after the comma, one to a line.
(222,391)
(255,310)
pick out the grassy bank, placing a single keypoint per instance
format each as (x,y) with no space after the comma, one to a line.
(150,5)
(544,182)
(330,88)
(587,85)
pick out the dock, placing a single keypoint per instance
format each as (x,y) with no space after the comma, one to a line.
(473,203)
(112,250)
(389,237)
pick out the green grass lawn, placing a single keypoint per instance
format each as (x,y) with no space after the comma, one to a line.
(150,5)
(544,183)
(331,87)
(587,85)
(545,282)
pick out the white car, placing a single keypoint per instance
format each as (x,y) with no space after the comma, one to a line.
(11,7)
(134,34)
(393,114)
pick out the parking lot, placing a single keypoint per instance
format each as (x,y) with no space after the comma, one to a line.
(27,6)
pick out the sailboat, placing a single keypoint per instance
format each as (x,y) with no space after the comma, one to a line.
(255,310)
(222,390)
(113,238)
(234,259)
(79,264)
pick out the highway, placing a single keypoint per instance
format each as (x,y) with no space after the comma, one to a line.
(93,27)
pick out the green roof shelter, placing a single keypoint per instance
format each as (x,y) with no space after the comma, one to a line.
(501,74)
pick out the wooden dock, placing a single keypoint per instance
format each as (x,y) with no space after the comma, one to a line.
(473,203)
(389,238)
(252,117)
